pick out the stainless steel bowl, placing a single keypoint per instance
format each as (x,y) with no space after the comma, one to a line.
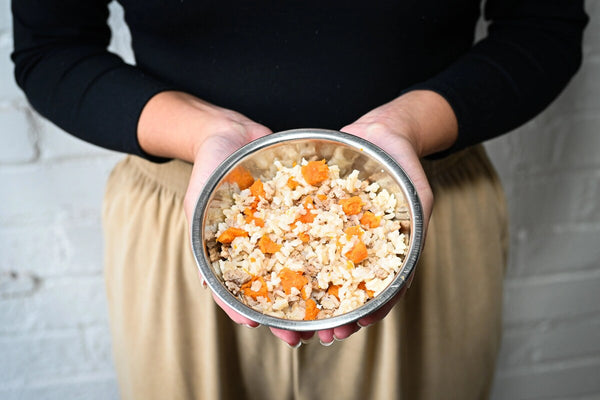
(348,152)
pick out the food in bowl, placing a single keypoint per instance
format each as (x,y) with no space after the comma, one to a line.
(308,244)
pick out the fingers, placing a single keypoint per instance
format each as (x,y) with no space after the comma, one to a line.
(345,331)
(402,149)
(306,336)
(290,337)
(235,317)
(214,149)
(326,337)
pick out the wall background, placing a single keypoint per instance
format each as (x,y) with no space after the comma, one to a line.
(54,339)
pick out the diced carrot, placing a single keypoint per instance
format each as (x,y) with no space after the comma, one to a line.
(305,237)
(353,231)
(334,290)
(266,245)
(241,176)
(352,206)
(231,233)
(262,292)
(308,201)
(311,310)
(306,218)
(292,184)
(257,190)
(357,253)
(322,197)
(315,172)
(290,279)
(257,221)
(363,286)
(249,213)
(369,219)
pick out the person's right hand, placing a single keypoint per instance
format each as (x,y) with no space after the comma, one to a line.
(178,125)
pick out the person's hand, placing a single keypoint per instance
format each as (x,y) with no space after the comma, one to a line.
(178,125)
(412,126)
(236,131)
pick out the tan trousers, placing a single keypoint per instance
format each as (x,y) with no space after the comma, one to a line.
(172,342)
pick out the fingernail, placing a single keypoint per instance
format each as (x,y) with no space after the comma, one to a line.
(306,341)
(326,344)
(295,346)
(361,325)
(249,326)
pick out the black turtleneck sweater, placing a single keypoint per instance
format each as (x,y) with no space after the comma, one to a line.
(292,64)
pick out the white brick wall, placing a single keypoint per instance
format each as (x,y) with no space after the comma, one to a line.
(54,339)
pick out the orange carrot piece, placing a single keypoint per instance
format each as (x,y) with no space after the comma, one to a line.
(322,197)
(357,253)
(249,213)
(351,206)
(334,290)
(306,218)
(231,233)
(311,310)
(241,176)
(308,201)
(290,279)
(353,231)
(363,286)
(292,184)
(257,190)
(369,219)
(262,292)
(315,172)
(257,221)
(266,245)
(305,237)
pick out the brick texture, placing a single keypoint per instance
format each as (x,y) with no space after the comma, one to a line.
(54,336)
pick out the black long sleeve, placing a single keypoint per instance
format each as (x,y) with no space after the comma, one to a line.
(69,77)
(295,64)
(532,50)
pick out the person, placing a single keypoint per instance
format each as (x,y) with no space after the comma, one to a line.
(212,76)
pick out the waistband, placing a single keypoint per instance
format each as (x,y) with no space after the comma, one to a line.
(175,174)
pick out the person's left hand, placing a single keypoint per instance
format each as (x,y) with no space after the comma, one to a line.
(393,130)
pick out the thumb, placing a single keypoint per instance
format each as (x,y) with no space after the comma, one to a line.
(214,150)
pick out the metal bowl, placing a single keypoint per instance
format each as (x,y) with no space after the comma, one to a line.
(348,152)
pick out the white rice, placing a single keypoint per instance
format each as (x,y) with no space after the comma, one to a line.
(322,260)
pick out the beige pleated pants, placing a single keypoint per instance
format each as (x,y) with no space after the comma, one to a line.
(172,342)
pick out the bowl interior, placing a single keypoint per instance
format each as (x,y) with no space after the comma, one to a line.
(348,152)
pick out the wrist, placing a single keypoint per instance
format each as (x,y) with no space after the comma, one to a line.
(424,118)
(175,124)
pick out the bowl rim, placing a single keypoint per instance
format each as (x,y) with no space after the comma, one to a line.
(371,150)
